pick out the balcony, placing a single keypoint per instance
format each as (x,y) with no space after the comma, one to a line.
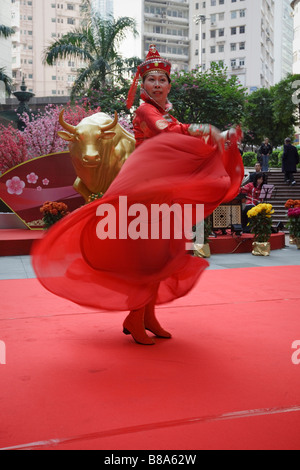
(165,19)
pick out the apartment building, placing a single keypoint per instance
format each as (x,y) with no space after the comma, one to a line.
(283,42)
(160,22)
(295,4)
(238,34)
(166,24)
(38,23)
(106,7)
(5,44)
(252,38)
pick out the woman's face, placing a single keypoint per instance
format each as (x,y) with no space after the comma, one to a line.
(260,181)
(158,87)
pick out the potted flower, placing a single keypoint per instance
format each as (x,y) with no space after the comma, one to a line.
(203,250)
(292,204)
(294,224)
(94,197)
(260,223)
(52,212)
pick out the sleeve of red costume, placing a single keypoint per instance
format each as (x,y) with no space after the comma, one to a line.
(150,117)
(247,189)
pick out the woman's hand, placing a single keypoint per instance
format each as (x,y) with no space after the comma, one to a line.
(233,135)
(206,131)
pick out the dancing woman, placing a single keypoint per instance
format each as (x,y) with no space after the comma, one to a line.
(173,163)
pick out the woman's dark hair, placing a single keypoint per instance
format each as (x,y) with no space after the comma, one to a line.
(256,177)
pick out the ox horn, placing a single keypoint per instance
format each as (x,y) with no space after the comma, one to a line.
(112,124)
(65,125)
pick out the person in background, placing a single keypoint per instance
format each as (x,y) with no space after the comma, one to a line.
(290,160)
(265,151)
(252,193)
(250,177)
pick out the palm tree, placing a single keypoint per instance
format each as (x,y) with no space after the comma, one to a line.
(6,31)
(6,80)
(95,44)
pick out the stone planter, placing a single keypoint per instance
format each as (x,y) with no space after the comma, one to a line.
(202,251)
(261,248)
(292,240)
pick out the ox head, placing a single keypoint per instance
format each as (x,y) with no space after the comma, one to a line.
(86,138)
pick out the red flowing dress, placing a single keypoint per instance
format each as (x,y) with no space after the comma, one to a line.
(124,273)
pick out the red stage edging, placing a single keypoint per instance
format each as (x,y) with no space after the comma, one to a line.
(224,244)
(18,242)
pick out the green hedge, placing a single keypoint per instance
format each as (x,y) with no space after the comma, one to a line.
(250,158)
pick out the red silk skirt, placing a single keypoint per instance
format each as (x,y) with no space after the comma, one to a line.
(123,273)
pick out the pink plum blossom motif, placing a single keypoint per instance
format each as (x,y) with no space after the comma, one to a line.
(32,178)
(15,186)
(45,181)
(39,188)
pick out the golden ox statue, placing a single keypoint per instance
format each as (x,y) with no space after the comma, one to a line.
(98,146)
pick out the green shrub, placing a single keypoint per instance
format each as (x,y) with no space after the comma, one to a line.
(276,159)
(249,159)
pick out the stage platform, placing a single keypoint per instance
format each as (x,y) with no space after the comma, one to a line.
(231,243)
(17,242)
(228,379)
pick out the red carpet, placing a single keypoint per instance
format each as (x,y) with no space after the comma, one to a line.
(226,380)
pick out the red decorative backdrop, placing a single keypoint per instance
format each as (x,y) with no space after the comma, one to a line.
(26,187)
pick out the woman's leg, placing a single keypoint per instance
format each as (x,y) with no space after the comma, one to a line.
(151,322)
(287,177)
(134,325)
(265,166)
(245,219)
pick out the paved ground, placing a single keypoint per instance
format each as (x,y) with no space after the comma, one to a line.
(19,267)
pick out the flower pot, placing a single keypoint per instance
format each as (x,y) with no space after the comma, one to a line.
(261,248)
(202,251)
(297,243)
(292,240)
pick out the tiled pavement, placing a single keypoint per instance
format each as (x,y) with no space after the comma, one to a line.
(19,267)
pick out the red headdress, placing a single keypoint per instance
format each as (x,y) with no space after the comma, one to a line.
(154,63)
